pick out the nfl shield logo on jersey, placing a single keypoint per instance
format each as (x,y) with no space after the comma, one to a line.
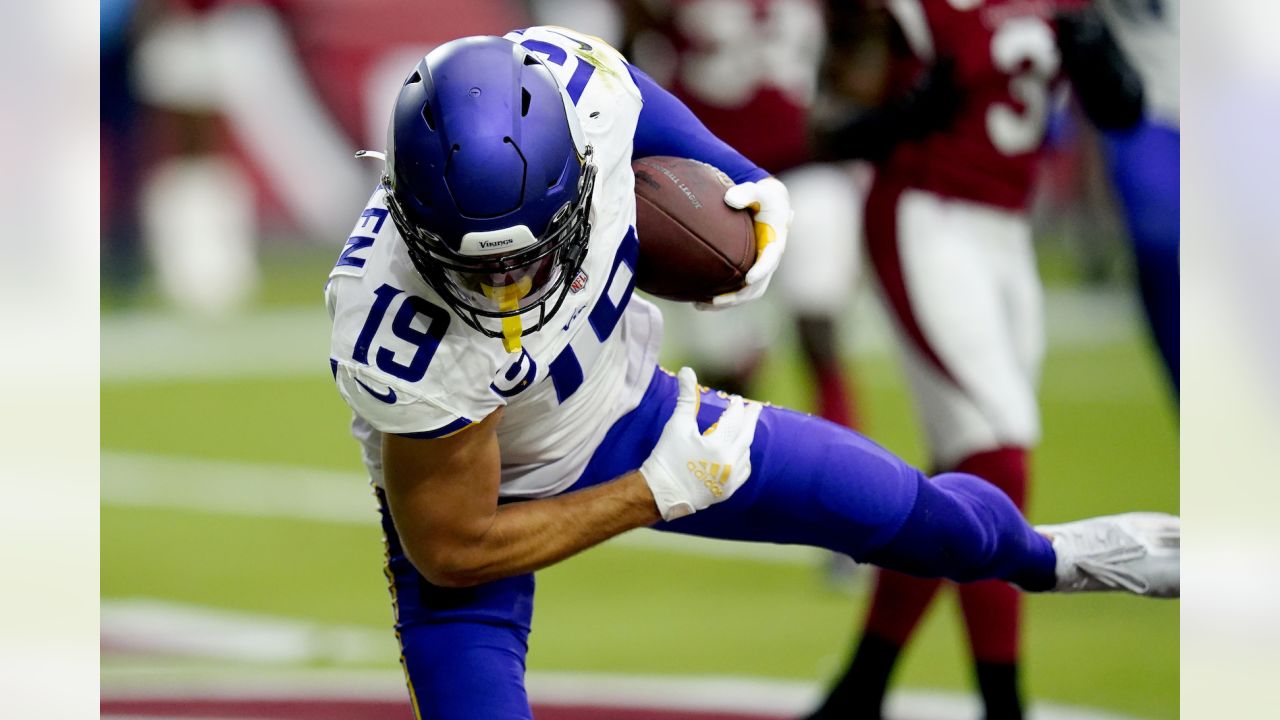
(579,282)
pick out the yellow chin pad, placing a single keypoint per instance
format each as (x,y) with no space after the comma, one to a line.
(512,330)
(508,298)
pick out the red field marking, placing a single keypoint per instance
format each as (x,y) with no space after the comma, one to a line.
(331,709)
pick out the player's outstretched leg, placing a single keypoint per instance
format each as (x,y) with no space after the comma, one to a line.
(816,483)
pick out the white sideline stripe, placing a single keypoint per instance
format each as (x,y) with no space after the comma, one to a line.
(283,491)
(149,345)
(166,629)
(156,627)
(164,345)
(237,488)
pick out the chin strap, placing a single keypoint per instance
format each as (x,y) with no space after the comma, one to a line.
(508,298)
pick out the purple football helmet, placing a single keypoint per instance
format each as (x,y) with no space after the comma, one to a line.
(489,182)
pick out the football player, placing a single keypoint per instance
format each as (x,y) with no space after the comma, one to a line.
(949,238)
(508,402)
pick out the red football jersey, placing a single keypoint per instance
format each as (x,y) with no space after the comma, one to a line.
(1006,65)
(748,69)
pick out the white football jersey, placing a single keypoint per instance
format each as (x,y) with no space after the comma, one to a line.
(1147,31)
(406,364)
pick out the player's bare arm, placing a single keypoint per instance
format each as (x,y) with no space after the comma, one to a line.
(443,495)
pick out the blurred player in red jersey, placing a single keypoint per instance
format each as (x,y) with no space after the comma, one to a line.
(748,67)
(968,91)
(749,70)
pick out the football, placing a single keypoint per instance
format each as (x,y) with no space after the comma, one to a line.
(692,246)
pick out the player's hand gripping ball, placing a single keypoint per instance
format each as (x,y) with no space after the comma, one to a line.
(770,206)
(689,471)
(702,238)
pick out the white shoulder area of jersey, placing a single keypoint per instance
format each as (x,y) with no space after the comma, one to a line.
(393,406)
(597,83)
(373,223)
(592,73)
(358,247)
(914,22)
(593,50)
(401,359)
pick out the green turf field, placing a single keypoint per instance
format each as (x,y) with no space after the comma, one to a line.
(1110,445)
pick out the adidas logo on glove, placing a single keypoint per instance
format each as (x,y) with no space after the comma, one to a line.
(711,475)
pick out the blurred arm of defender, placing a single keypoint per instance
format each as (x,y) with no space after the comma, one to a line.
(874,92)
(1109,89)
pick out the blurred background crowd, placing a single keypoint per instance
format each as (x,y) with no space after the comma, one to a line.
(228,129)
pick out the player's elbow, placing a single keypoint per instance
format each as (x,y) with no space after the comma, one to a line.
(451,552)
(452,578)
(445,565)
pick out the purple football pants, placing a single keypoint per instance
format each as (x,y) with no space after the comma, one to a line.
(812,483)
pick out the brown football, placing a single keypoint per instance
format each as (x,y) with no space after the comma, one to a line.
(692,246)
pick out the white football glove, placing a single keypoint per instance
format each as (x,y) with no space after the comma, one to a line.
(770,207)
(690,471)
